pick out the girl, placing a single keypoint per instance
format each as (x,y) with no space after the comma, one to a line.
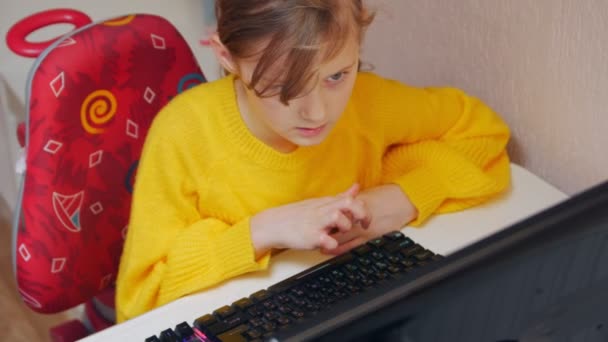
(295,149)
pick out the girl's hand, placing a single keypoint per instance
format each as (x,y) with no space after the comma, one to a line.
(308,224)
(391,210)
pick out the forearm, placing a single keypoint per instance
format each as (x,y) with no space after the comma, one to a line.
(390,208)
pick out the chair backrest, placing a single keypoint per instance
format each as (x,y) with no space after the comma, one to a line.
(91,97)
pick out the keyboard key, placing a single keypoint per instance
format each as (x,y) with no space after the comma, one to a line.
(337,274)
(283,298)
(297,313)
(271,315)
(351,268)
(297,292)
(283,320)
(393,259)
(411,250)
(312,307)
(204,322)
(380,265)
(423,255)
(269,327)
(325,280)
(152,339)
(299,302)
(224,312)
(394,246)
(183,330)
(255,311)
(342,259)
(268,305)
(243,304)
(362,250)
(260,296)
(407,263)
(396,235)
(169,335)
(364,261)
(223,326)
(256,322)
(377,242)
(235,334)
(377,255)
(253,334)
(393,269)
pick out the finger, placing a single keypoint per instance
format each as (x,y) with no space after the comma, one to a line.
(337,219)
(352,191)
(356,209)
(365,223)
(343,237)
(326,242)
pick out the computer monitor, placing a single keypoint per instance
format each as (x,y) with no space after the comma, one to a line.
(542,279)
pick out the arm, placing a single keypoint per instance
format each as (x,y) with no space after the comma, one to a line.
(446,150)
(170,250)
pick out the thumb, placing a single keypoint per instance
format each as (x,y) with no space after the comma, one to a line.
(326,242)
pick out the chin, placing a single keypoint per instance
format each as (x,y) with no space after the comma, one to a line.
(309,141)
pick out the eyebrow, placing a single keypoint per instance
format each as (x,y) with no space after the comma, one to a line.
(342,69)
(280,80)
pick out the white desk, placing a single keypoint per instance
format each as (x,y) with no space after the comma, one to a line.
(443,234)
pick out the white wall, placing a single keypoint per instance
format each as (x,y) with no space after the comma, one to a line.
(186,15)
(542,64)
(189,16)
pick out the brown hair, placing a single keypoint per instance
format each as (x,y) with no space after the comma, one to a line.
(296,30)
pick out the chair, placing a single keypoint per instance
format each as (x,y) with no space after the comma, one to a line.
(91,96)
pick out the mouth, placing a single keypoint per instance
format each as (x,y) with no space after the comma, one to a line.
(311,132)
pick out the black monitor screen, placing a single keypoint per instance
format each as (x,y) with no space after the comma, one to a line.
(543,279)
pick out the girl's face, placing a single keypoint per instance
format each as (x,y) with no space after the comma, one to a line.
(308,119)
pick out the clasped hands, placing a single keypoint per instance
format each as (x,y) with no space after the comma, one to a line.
(335,224)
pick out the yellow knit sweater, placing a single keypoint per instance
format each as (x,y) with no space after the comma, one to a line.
(202,176)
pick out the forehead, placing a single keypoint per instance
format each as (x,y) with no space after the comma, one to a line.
(325,64)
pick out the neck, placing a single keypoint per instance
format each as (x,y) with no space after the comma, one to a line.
(256,126)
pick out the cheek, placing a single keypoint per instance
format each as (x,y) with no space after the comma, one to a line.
(338,100)
(275,113)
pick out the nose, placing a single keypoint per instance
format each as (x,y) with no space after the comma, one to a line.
(312,107)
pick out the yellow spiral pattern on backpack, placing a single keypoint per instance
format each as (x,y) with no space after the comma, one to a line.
(97,110)
(120,21)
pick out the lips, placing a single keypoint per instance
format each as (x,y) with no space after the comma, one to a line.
(311,132)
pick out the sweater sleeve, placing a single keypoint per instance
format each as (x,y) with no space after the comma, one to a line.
(445,149)
(170,249)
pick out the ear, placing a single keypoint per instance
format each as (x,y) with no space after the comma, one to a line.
(222,54)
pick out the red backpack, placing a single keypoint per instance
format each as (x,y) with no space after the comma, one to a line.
(91,96)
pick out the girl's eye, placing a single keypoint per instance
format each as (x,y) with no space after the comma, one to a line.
(336,77)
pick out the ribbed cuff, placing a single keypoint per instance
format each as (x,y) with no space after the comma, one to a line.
(207,254)
(235,250)
(425,195)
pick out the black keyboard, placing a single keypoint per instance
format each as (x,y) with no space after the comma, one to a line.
(306,294)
